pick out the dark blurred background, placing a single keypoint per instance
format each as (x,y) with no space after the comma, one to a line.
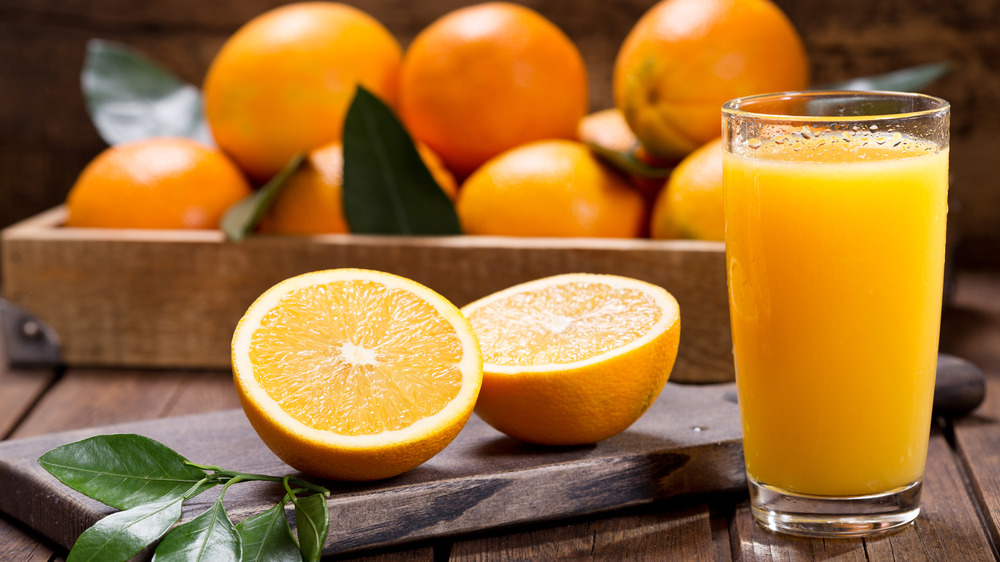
(46,137)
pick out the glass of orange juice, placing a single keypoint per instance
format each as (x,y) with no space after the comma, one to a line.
(835,209)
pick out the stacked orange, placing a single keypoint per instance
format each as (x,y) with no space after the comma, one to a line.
(496,95)
(156,183)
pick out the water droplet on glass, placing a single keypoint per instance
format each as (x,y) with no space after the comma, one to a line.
(806,132)
(846,136)
(781,139)
(880,140)
(896,139)
(698,428)
(754,143)
(873,128)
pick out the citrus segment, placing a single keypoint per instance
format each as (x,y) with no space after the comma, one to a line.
(573,358)
(355,374)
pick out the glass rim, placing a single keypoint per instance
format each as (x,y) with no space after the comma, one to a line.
(733,106)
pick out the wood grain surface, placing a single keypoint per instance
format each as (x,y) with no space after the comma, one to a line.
(960,502)
(688,442)
(972,327)
(173,298)
(681,533)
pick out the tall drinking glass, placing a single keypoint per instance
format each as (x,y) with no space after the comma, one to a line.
(835,236)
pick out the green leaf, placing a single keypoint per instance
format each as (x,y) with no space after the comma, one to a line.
(122,534)
(122,470)
(209,537)
(911,79)
(627,162)
(130,97)
(387,187)
(266,537)
(312,523)
(243,217)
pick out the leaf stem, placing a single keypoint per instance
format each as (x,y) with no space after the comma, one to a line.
(213,468)
(228,484)
(194,490)
(222,476)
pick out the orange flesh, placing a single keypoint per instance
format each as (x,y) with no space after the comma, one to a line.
(562,324)
(357,357)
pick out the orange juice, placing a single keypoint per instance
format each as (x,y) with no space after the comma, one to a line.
(835,249)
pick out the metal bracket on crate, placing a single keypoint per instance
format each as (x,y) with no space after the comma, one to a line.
(28,341)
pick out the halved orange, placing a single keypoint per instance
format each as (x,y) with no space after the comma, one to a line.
(574,358)
(353,374)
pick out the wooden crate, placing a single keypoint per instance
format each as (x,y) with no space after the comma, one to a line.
(159,298)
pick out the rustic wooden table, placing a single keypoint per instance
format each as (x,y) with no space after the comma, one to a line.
(960,519)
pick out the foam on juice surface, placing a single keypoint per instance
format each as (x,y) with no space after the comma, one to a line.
(809,145)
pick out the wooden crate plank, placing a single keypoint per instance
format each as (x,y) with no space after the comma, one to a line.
(684,534)
(16,544)
(420,554)
(723,512)
(660,533)
(203,391)
(971,327)
(977,439)
(19,390)
(481,481)
(568,542)
(92,397)
(172,298)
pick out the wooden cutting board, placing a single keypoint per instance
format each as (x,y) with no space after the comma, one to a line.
(688,442)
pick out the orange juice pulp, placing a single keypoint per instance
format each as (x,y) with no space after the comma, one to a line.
(836,271)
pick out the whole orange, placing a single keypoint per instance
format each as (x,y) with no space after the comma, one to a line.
(156,183)
(549,188)
(684,58)
(283,82)
(489,77)
(311,202)
(691,205)
(607,129)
